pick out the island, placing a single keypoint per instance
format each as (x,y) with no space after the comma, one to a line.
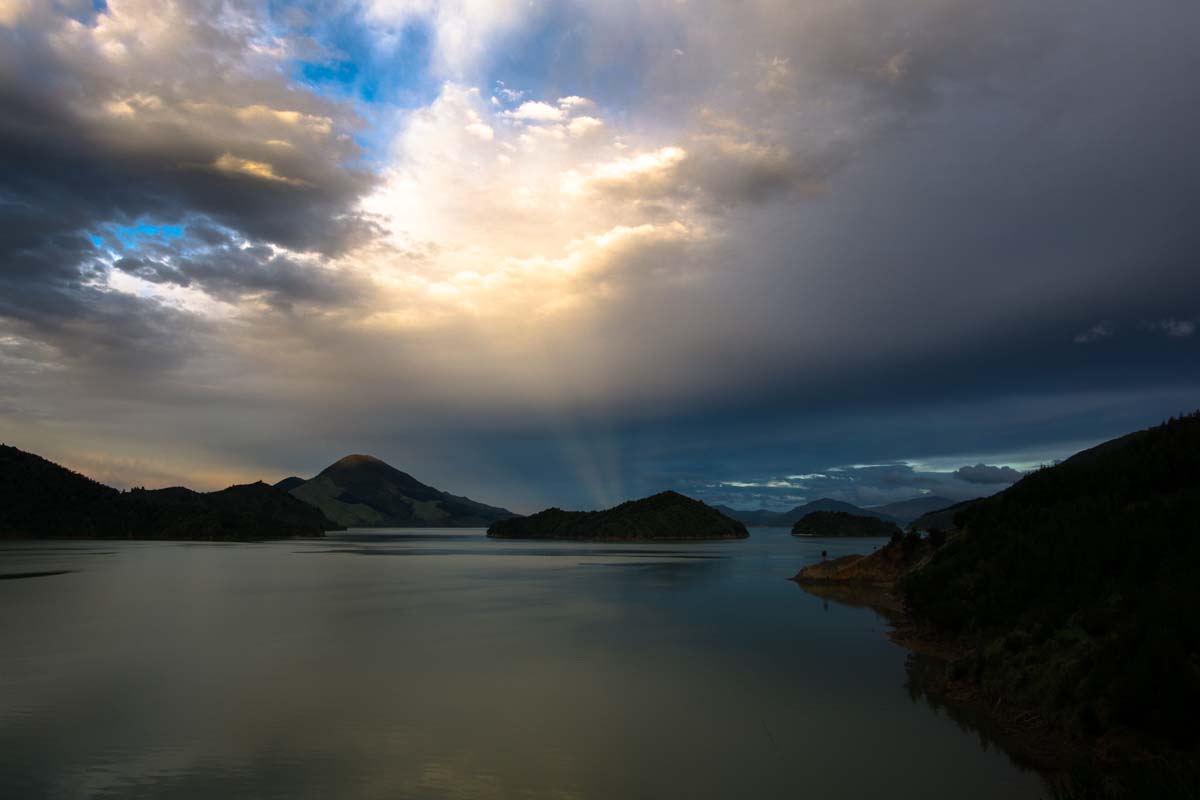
(843,523)
(43,500)
(765,518)
(667,516)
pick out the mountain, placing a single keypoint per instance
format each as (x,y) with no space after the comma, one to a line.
(664,516)
(841,523)
(40,499)
(287,484)
(1078,590)
(363,492)
(762,518)
(906,511)
(943,519)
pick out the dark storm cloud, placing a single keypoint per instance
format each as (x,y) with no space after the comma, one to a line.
(986,474)
(988,180)
(47,294)
(228,268)
(925,228)
(163,119)
(100,138)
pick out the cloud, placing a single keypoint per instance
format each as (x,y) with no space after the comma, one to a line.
(1093,334)
(644,175)
(575,103)
(464,31)
(865,485)
(985,474)
(585,126)
(231,164)
(1175,328)
(760,216)
(222,266)
(481,131)
(537,111)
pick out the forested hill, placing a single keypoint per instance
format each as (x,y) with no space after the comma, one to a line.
(664,516)
(363,491)
(1081,584)
(40,499)
(840,523)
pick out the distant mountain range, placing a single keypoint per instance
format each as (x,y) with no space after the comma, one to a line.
(902,512)
(361,491)
(40,499)
(660,517)
(905,511)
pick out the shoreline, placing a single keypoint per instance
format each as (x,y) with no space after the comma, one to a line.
(1023,734)
(1026,735)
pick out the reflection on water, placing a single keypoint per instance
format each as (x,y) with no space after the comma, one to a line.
(350,668)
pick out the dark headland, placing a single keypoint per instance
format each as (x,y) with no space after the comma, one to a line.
(1067,608)
(40,499)
(667,516)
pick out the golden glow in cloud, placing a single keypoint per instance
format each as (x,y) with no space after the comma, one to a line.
(227,162)
(533,210)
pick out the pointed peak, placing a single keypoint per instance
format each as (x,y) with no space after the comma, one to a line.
(357,459)
(359,466)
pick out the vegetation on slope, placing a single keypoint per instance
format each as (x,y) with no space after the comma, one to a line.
(664,516)
(881,567)
(363,491)
(942,519)
(841,523)
(905,511)
(1080,589)
(40,499)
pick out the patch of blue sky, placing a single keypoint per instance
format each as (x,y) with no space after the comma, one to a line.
(380,70)
(371,65)
(79,12)
(131,236)
(553,56)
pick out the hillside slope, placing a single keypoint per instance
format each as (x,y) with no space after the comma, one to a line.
(40,499)
(363,491)
(905,511)
(840,523)
(1080,587)
(664,516)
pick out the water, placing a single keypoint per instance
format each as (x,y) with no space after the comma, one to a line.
(436,664)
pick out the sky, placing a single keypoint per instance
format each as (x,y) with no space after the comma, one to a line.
(568,253)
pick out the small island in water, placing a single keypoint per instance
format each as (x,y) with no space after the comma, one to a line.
(843,523)
(667,516)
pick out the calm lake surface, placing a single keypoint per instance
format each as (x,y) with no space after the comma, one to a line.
(439,664)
